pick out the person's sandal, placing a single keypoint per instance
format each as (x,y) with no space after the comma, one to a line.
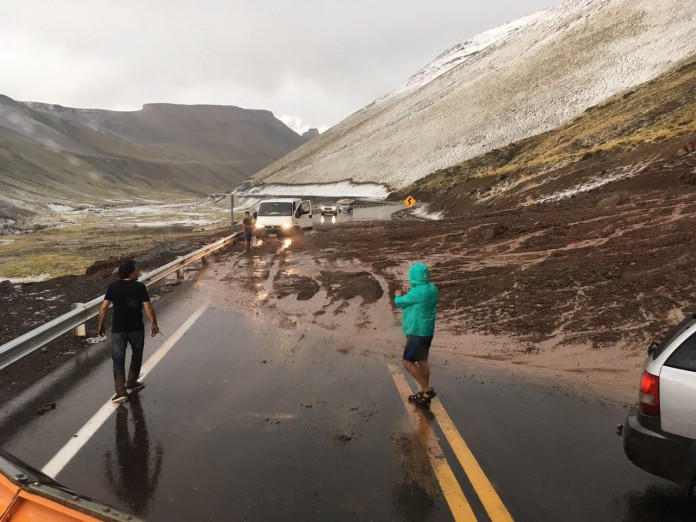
(425,397)
(415,397)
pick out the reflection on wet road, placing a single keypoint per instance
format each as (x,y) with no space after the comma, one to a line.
(324,219)
(134,471)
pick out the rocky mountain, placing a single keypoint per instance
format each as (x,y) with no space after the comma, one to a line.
(310,134)
(54,154)
(500,87)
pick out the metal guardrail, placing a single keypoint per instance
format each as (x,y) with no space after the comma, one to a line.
(31,341)
(375,205)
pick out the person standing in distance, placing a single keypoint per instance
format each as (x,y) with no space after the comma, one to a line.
(129,297)
(418,324)
(246,223)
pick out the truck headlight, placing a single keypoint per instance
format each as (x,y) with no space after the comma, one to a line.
(286,226)
(259,225)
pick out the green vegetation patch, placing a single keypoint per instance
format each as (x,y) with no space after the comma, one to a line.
(38,263)
(71,250)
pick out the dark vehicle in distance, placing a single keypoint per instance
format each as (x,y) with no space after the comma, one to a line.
(345,206)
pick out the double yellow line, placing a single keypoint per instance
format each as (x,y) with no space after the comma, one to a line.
(457,501)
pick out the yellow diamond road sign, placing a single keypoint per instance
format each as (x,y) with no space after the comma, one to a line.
(410,201)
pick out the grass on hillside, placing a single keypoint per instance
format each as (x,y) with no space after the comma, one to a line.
(71,249)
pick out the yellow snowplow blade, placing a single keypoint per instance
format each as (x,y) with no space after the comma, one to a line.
(27,495)
(18,505)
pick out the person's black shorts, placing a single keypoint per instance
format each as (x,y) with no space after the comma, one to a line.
(247,235)
(417,348)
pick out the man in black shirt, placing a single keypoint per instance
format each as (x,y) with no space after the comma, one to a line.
(129,297)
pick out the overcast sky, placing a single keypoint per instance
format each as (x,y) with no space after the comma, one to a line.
(311,62)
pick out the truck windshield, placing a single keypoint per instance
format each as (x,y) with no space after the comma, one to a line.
(275,209)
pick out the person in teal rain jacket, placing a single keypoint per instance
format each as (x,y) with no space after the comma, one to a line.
(418,324)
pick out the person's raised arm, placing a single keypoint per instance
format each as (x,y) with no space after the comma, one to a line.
(402,301)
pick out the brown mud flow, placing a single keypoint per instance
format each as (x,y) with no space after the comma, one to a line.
(575,289)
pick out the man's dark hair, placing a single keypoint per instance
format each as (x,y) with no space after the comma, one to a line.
(246,212)
(126,269)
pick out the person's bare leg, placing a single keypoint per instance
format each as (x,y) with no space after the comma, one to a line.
(418,374)
(425,370)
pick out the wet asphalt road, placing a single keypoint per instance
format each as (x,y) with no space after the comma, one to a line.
(242,421)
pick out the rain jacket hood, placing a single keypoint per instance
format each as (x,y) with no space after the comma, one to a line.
(418,274)
(419,303)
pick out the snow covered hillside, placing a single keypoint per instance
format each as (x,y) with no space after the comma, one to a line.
(509,83)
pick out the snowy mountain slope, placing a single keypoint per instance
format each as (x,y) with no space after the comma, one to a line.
(662,110)
(502,86)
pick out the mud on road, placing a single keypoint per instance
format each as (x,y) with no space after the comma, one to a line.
(576,289)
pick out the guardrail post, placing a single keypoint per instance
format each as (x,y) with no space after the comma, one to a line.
(180,275)
(78,331)
(204,260)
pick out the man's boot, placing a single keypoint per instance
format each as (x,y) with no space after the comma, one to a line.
(120,386)
(133,384)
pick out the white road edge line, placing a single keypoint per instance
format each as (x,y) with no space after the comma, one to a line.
(78,441)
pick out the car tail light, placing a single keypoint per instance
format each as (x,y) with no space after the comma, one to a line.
(649,394)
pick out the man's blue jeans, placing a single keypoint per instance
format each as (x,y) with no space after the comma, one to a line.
(119,343)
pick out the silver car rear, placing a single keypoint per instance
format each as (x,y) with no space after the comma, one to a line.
(659,434)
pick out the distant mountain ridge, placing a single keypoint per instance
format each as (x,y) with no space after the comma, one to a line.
(50,153)
(502,86)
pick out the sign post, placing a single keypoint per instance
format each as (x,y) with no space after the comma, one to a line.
(233,204)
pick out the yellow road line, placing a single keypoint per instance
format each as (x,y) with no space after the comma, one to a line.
(484,489)
(458,504)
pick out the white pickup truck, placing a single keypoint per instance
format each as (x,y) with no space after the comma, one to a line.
(283,216)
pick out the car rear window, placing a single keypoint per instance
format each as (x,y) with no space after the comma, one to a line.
(675,332)
(684,357)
